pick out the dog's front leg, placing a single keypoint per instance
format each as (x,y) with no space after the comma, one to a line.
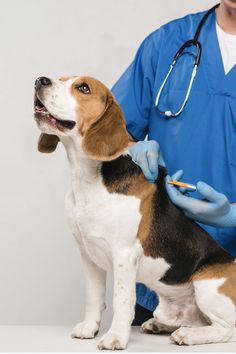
(95,299)
(125,266)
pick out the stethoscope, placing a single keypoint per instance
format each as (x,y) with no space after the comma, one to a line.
(192,42)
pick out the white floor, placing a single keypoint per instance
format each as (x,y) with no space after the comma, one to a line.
(57,339)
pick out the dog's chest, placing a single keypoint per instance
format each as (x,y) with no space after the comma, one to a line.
(106,222)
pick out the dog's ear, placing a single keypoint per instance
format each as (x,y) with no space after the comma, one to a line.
(47,143)
(107,137)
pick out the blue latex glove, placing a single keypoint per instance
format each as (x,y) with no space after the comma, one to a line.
(146,154)
(215,210)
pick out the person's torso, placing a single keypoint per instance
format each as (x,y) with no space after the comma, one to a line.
(202,140)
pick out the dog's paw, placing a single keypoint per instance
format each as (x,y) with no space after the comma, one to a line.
(112,341)
(85,330)
(182,336)
(150,326)
(154,327)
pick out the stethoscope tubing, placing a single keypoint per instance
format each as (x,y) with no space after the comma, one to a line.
(192,42)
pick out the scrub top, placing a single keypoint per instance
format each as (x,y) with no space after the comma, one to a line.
(202,140)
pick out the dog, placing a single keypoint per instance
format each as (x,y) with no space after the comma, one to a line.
(129,227)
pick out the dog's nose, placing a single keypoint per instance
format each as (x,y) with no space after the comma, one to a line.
(42,81)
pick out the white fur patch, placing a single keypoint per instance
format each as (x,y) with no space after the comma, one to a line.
(108,222)
(151,270)
(213,302)
(58,100)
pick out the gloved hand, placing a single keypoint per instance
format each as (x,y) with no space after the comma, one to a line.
(146,154)
(215,210)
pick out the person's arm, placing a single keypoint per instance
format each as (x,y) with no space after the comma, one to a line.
(134,93)
(134,89)
(214,209)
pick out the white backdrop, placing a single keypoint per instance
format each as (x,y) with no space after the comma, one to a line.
(41,280)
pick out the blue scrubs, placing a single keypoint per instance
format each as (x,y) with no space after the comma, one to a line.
(202,140)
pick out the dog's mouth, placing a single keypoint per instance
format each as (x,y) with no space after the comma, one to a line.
(41,113)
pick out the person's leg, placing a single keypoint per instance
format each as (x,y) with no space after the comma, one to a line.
(141,315)
(147,302)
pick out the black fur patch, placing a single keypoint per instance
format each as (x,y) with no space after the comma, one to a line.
(180,241)
(122,169)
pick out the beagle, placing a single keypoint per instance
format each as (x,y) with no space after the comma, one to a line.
(129,227)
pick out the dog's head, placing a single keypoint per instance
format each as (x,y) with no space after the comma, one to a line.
(82,108)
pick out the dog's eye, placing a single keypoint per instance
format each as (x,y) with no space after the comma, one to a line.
(84,88)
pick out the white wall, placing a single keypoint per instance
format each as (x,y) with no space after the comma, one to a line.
(41,281)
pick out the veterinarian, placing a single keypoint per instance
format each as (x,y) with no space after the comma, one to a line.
(188,112)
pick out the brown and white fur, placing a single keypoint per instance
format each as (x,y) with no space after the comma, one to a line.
(129,227)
